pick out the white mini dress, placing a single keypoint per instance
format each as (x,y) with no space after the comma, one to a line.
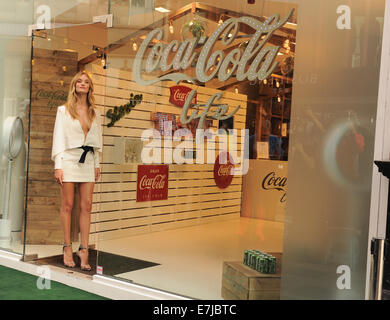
(68,141)
(73,170)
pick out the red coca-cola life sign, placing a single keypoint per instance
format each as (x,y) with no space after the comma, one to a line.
(223,170)
(152,183)
(179,95)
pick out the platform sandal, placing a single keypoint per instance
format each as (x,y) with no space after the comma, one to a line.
(85,267)
(69,264)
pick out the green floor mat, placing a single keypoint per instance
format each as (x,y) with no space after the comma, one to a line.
(17,285)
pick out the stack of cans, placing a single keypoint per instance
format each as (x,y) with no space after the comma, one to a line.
(260,261)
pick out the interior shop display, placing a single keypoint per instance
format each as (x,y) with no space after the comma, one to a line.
(273,117)
(260,261)
(166,124)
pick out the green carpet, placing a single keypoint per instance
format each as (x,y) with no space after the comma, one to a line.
(16,285)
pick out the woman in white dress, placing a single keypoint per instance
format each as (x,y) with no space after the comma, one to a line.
(77,141)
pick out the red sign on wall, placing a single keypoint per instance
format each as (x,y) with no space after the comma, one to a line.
(152,183)
(223,170)
(179,95)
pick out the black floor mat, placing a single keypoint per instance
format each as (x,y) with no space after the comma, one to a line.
(112,264)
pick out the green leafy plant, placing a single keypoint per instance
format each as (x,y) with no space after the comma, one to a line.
(196,27)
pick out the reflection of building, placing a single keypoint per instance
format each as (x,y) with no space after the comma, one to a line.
(334,72)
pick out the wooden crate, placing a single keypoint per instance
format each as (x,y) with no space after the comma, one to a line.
(240,282)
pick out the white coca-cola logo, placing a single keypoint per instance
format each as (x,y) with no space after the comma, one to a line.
(180,96)
(225,170)
(256,62)
(157,182)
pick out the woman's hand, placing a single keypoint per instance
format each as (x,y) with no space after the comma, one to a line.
(59,176)
(97,174)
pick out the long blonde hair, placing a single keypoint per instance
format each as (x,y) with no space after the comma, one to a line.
(71,102)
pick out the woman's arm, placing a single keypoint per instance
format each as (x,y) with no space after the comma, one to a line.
(58,139)
(98,150)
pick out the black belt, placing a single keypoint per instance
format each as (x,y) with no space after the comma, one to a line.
(86,150)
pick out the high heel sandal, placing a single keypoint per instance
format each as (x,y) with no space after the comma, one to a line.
(69,264)
(85,267)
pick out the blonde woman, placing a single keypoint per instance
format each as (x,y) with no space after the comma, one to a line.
(77,141)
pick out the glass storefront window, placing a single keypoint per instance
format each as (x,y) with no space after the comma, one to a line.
(184,221)
(15,73)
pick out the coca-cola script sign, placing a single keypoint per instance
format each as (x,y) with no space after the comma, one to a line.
(274,182)
(223,170)
(179,95)
(152,183)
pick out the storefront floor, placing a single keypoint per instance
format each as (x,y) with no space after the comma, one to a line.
(189,259)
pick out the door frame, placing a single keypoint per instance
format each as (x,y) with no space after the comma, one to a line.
(380,184)
(107,19)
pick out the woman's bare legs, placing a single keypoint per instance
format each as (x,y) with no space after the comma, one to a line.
(67,199)
(86,196)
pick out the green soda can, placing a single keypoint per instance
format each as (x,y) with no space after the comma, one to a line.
(258,261)
(263,265)
(249,258)
(246,256)
(253,262)
(272,266)
(266,264)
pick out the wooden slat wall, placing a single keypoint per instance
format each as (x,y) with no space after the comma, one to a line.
(43,199)
(193,196)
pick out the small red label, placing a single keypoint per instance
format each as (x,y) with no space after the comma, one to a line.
(179,95)
(99,270)
(223,170)
(152,183)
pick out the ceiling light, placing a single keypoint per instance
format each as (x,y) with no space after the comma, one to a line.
(162,10)
(171,30)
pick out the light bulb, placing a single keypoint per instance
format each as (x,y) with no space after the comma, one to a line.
(277,84)
(171,29)
(236,90)
(265,81)
(135,46)
(279,99)
(103,62)
(220,21)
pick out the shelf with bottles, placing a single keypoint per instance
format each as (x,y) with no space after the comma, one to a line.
(273,117)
